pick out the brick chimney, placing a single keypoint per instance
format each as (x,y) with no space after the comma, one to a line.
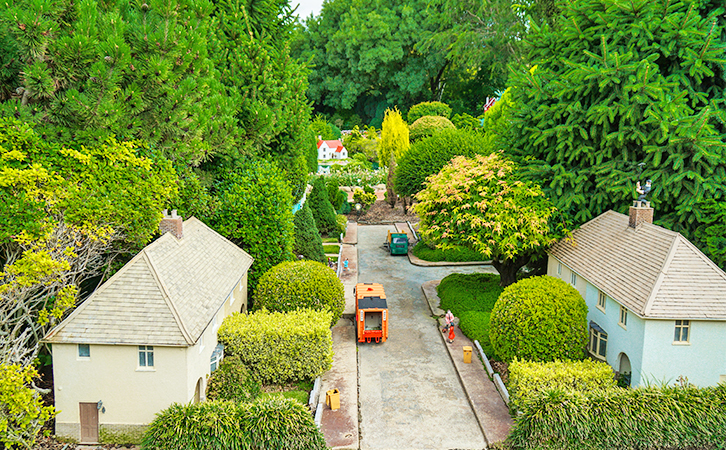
(171,224)
(640,212)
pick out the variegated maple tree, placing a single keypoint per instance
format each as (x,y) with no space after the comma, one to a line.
(482,204)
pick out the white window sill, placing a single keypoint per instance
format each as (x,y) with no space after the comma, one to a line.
(83,358)
(601,309)
(596,356)
(146,369)
(624,327)
(684,343)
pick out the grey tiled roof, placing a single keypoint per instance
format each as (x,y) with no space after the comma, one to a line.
(652,271)
(166,295)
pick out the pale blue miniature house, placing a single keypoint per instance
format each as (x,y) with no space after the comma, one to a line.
(656,304)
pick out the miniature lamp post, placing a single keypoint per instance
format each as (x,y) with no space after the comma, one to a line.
(358,206)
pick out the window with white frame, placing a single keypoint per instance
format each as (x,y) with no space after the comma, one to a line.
(573,279)
(559,268)
(216,359)
(623,317)
(146,356)
(601,300)
(84,351)
(683,331)
(598,341)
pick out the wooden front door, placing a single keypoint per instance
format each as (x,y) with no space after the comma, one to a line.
(89,423)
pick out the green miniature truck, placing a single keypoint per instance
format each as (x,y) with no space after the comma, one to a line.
(397,243)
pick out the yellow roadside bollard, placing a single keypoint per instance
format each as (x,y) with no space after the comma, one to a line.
(467,354)
(332,399)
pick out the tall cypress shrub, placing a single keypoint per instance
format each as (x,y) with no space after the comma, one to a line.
(322,209)
(307,237)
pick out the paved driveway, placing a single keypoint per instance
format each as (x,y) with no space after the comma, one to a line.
(410,396)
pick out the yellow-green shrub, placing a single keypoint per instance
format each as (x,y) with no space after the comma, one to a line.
(278,347)
(22,414)
(301,284)
(528,378)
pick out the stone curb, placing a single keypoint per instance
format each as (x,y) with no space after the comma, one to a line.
(480,415)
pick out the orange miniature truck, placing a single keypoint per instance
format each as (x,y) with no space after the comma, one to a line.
(371,312)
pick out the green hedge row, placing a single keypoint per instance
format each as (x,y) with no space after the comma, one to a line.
(528,379)
(279,347)
(646,418)
(271,423)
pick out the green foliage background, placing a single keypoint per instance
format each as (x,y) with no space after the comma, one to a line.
(613,84)
(322,209)
(422,109)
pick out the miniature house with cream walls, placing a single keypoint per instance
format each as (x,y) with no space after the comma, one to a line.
(147,337)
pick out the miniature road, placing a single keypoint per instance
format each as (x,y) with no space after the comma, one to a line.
(410,396)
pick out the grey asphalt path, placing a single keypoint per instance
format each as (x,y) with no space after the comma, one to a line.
(409,394)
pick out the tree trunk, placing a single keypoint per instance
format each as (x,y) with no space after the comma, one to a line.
(391,196)
(508,269)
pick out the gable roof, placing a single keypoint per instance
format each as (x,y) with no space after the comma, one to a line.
(652,271)
(166,295)
(333,145)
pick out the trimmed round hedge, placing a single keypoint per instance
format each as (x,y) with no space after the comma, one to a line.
(300,284)
(539,319)
(429,155)
(428,109)
(427,126)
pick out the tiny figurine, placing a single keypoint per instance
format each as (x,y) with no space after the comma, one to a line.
(451,334)
(643,191)
(345,264)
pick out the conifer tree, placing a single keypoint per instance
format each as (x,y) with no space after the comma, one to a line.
(616,84)
(394,143)
(250,48)
(321,207)
(133,69)
(307,237)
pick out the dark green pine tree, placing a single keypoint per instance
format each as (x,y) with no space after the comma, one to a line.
(321,207)
(133,69)
(308,242)
(614,84)
(250,49)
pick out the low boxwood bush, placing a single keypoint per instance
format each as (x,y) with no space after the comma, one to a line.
(267,424)
(280,346)
(528,379)
(232,381)
(469,292)
(539,319)
(342,222)
(301,284)
(456,254)
(427,126)
(671,417)
(475,325)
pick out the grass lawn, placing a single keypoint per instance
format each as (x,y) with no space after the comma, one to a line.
(330,240)
(471,298)
(459,254)
(331,249)
(299,391)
